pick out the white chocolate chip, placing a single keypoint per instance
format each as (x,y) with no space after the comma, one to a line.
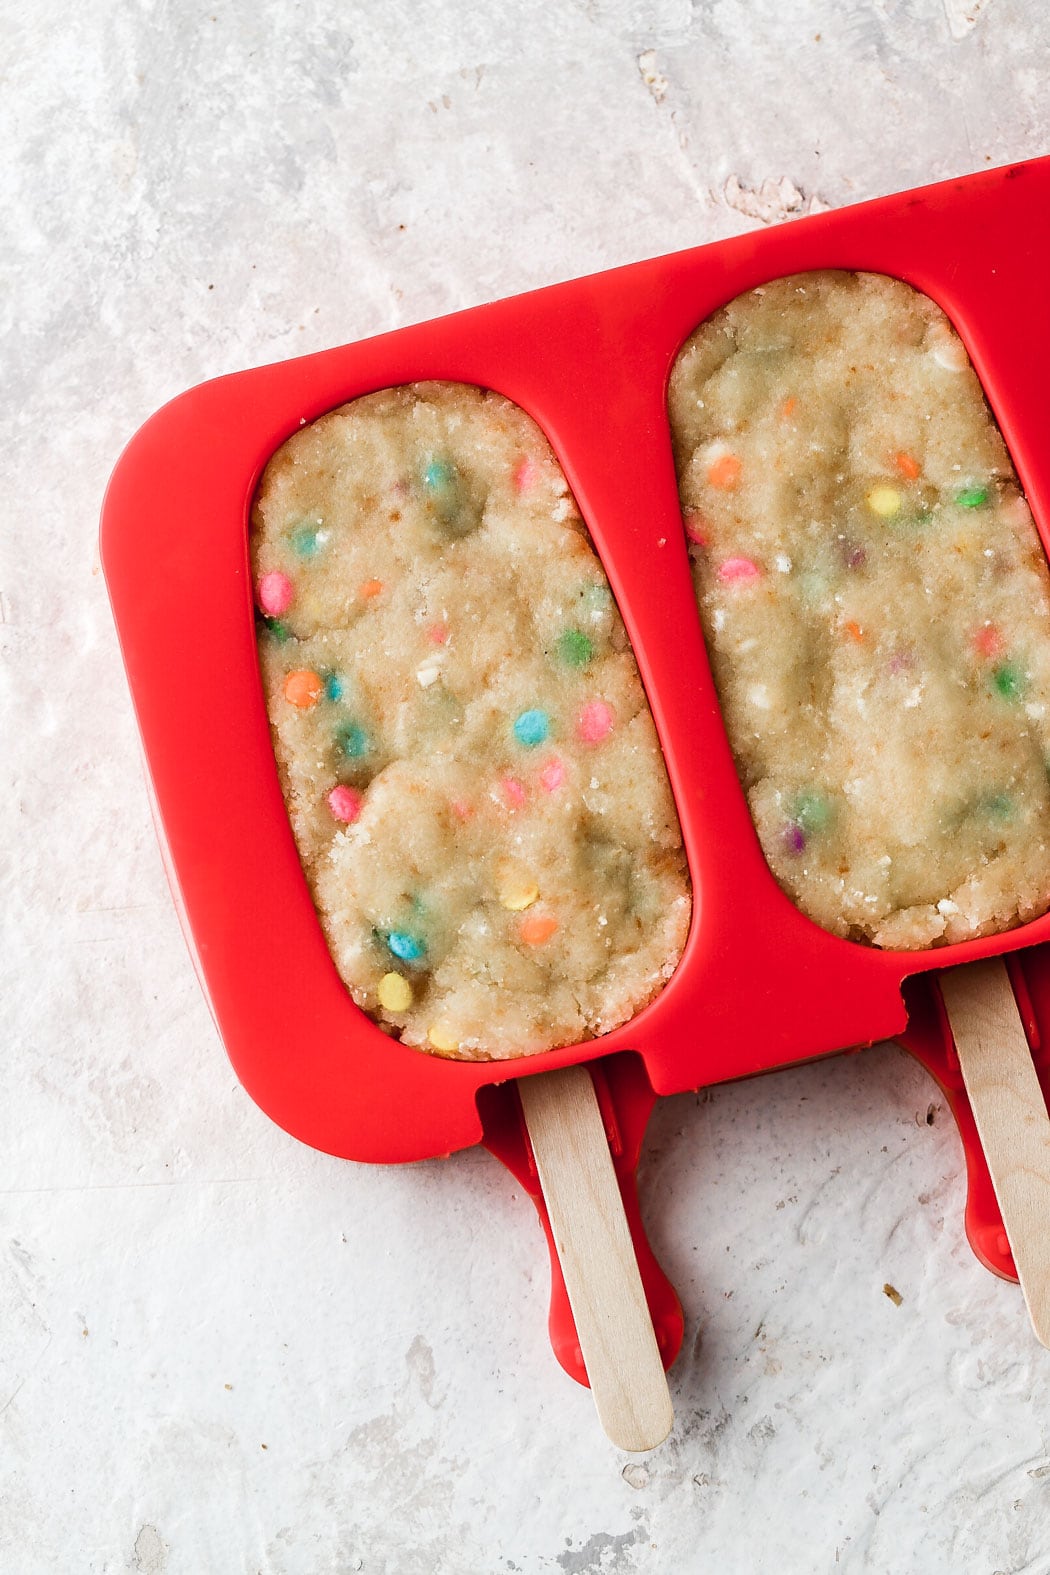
(951,355)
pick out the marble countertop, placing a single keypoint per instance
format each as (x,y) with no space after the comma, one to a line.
(221,1352)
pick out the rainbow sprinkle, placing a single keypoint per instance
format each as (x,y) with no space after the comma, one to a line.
(1009,681)
(307,538)
(346,804)
(594,722)
(812,812)
(532,728)
(406,946)
(275,593)
(884,501)
(513,793)
(395,992)
(575,648)
(352,740)
(303,688)
(552,776)
(739,571)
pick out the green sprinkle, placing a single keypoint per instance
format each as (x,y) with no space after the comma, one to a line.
(352,740)
(277,628)
(574,648)
(972,497)
(812,811)
(1009,681)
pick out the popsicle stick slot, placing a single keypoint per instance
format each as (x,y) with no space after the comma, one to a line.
(597,1257)
(1011,1116)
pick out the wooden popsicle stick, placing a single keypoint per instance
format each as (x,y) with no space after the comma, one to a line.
(1011,1117)
(597,1257)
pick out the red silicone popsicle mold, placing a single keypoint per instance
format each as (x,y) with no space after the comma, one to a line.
(759,985)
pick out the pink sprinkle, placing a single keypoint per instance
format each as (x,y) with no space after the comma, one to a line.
(901,662)
(513,792)
(525,474)
(594,721)
(738,571)
(552,776)
(437,634)
(275,592)
(346,804)
(462,809)
(695,527)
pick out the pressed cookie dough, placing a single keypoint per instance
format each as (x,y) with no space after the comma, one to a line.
(469,762)
(876,605)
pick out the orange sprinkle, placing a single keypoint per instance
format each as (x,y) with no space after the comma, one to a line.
(462,809)
(988,641)
(369,588)
(908,466)
(537,928)
(303,688)
(788,407)
(854,631)
(724,472)
(513,792)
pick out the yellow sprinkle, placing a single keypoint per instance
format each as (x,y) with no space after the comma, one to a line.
(442,1037)
(884,501)
(395,992)
(517,895)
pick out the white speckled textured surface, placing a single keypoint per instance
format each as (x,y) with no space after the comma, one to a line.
(220,1351)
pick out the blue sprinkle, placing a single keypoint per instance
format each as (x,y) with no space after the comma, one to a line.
(532,728)
(304,539)
(437,475)
(352,740)
(333,686)
(405,946)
